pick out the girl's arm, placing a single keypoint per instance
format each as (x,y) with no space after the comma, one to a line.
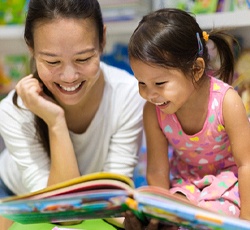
(157,149)
(63,160)
(238,128)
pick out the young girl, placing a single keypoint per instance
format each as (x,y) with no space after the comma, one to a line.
(75,115)
(200,116)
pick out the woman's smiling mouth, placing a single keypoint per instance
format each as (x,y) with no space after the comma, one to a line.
(71,88)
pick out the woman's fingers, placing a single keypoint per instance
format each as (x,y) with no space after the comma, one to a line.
(28,88)
(31,92)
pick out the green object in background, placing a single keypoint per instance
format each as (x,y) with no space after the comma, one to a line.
(204,6)
(85,225)
(16,66)
(195,6)
(12,11)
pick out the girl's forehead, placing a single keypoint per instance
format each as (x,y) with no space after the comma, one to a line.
(143,67)
(147,72)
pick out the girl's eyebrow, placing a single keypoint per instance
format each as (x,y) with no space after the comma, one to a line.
(91,50)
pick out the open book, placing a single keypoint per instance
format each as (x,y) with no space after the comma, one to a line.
(106,195)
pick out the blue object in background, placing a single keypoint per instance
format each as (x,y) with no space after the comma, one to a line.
(118,57)
(140,170)
(139,177)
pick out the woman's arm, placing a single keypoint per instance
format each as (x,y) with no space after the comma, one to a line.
(238,128)
(63,160)
(157,149)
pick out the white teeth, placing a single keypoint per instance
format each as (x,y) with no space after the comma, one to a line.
(160,103)
(70,89)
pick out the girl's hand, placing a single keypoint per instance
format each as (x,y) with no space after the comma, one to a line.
(33,97)
(132,223)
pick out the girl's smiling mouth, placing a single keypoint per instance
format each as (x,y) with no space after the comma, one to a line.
(162,103)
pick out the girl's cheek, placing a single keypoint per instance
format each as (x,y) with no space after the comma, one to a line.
(143,94)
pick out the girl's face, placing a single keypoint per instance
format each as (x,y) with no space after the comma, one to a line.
(169,89)
(67,55)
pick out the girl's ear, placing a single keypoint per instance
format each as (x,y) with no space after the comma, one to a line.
(198,68)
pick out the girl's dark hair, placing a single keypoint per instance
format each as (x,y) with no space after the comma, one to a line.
(168,38)
(46,10)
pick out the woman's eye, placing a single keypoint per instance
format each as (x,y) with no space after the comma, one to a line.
(83,60)
(53,62)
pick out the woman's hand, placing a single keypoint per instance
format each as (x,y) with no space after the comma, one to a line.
(61,152)
(132,223)
(31,92)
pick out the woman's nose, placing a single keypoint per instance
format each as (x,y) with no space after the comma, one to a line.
(69,74)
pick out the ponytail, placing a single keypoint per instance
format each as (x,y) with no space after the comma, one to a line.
(222,41)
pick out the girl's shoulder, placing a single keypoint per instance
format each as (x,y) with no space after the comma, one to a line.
(217,85)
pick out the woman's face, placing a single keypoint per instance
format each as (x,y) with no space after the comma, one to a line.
(67,55)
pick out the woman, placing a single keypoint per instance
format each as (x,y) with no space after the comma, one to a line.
(74,115)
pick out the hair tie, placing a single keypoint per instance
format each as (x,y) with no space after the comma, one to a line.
(200,46)
(205,35)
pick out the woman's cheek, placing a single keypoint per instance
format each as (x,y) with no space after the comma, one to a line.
(45,73)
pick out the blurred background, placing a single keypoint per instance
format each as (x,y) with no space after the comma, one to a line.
(121,18)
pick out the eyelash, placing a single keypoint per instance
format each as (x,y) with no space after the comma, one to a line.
(83,60)
(78,60)
(157,84)
(160,83)
(52,63)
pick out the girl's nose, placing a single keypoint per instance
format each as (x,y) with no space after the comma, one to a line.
(151,95)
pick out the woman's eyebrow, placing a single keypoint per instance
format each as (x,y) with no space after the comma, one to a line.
(91,50)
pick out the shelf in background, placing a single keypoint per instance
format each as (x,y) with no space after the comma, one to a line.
(113,28)
(232,20)
(11,36)
(122,27)
(11,40)
(11,32)
(235,19)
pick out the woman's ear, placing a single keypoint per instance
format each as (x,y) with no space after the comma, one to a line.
(31,50)
(32,60)
(104,38)
(198,68)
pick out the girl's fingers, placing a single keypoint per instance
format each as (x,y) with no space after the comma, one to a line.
(131,222)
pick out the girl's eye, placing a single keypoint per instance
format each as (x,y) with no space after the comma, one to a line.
(141,83)
(160,83)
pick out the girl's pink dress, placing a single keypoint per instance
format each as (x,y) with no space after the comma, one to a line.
(202,166)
